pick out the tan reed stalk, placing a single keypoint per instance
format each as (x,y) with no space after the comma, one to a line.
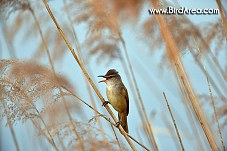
(173,55)
(197,110)
(214,107)
(223,17)
(87,84)
(116,137)
(107,119)
(171,132)
(216,88)
(190,115)
(53,70)
(174,122)
(215,112)
(149,127)
(86,73)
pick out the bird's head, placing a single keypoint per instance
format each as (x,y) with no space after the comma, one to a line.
(111,74)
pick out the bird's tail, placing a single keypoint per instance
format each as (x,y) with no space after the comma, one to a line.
(123,118)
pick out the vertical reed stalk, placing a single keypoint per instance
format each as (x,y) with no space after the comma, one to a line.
(171,132)
(216,88)
(174,122)
(190,114)
(214,107)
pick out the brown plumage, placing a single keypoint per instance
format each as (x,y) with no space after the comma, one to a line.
(117,95)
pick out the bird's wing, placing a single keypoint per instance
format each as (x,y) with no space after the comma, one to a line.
(127,99)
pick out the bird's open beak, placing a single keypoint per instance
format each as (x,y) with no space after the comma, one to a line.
(103,77)
(102,81)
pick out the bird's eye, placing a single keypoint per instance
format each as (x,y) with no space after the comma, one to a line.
(110,76)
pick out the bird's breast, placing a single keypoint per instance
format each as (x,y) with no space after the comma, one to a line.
(116,97)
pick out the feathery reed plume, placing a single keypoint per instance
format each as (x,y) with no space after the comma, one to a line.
(128,10)
(29,79)
(9,6)
(28,87)
(102,38)
(214,34)
(174,122)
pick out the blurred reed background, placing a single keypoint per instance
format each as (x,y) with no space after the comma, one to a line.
(174,67)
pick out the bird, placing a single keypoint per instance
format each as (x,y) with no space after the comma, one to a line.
(117,95)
